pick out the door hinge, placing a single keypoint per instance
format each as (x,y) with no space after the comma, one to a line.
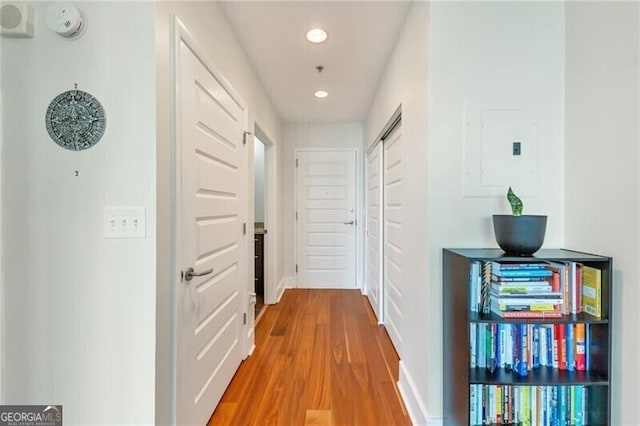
(244,228)
(244,318)
(244,137)
(296,268)
(296,162)
(296,215)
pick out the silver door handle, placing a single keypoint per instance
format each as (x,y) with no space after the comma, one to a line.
(190,273)
(350,223)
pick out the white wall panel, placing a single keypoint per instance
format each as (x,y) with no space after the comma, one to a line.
(81,323)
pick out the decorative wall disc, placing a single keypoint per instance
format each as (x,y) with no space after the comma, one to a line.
(75,120)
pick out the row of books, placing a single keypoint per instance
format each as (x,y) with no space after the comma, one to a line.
(524,347)
(528,405)
(535,289)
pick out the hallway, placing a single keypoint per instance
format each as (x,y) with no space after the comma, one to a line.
(320,359)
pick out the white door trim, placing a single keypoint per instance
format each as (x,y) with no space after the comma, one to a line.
(358,213)
(271,295)
(182,34)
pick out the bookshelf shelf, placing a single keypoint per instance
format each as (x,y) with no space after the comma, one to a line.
(462,381)
(572,319)
(543,376)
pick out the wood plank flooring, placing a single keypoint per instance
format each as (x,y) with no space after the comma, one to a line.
(320,359)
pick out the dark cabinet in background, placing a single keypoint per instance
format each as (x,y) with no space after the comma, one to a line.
(259,263)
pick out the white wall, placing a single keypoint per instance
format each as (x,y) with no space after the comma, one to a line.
(210,28)
(405,83)
(80,323)
(319,136)
(602,169)
(495,55)
(258,181)
(481,55)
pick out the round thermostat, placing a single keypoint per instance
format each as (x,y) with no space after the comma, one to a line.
(66,20)
(75,120)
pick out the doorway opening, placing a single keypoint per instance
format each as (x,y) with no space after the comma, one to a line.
(259,179)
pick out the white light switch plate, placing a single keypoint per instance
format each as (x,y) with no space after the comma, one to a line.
(125,222)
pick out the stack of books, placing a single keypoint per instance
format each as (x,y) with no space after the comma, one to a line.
(524,290)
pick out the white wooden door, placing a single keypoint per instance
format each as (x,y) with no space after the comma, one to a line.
(209,123)
(392,267)
(326,212)
(374,230)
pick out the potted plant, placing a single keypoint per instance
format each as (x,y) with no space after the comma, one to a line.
(518,234)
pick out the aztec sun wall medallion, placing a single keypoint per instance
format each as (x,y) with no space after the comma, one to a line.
(75,120)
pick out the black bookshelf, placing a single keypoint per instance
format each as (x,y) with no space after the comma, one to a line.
(458,375)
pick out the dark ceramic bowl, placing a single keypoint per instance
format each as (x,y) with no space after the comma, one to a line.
(519,235)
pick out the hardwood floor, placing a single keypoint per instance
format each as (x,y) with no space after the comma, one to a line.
(320,359)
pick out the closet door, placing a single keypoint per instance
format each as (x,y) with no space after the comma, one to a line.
(392,236)
(374,230)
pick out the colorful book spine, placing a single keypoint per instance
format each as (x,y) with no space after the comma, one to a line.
(488,347)
(486,284)
(555,348)
(570,346)
(502,345)
(508,362)
(592,291)
(474,283)
(473,339)
(549,333)
(526,406)
(578,420)
(554,405)
(562,406)
(536,346)
(542,348)
(523,365)
(498,404)
(562,347)
(527,314)
(524,279)
(587,347)
(481,359)
(520,288)
(473,408)
(581,364)
(578,278)
(572,269)
(523,273)
(498,266)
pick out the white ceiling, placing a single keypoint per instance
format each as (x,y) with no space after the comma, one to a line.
(361,38)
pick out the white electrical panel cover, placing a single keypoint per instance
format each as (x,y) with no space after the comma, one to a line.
(500,150)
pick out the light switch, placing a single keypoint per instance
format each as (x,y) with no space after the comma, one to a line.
(516,148)
(125,222)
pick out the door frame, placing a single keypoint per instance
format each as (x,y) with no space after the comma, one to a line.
(271,295)
(358,211)
(182,34)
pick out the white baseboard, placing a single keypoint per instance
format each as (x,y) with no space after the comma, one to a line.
(413,401)
(285,283)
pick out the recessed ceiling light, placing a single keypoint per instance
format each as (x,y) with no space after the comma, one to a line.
(321,94)
(316,35)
